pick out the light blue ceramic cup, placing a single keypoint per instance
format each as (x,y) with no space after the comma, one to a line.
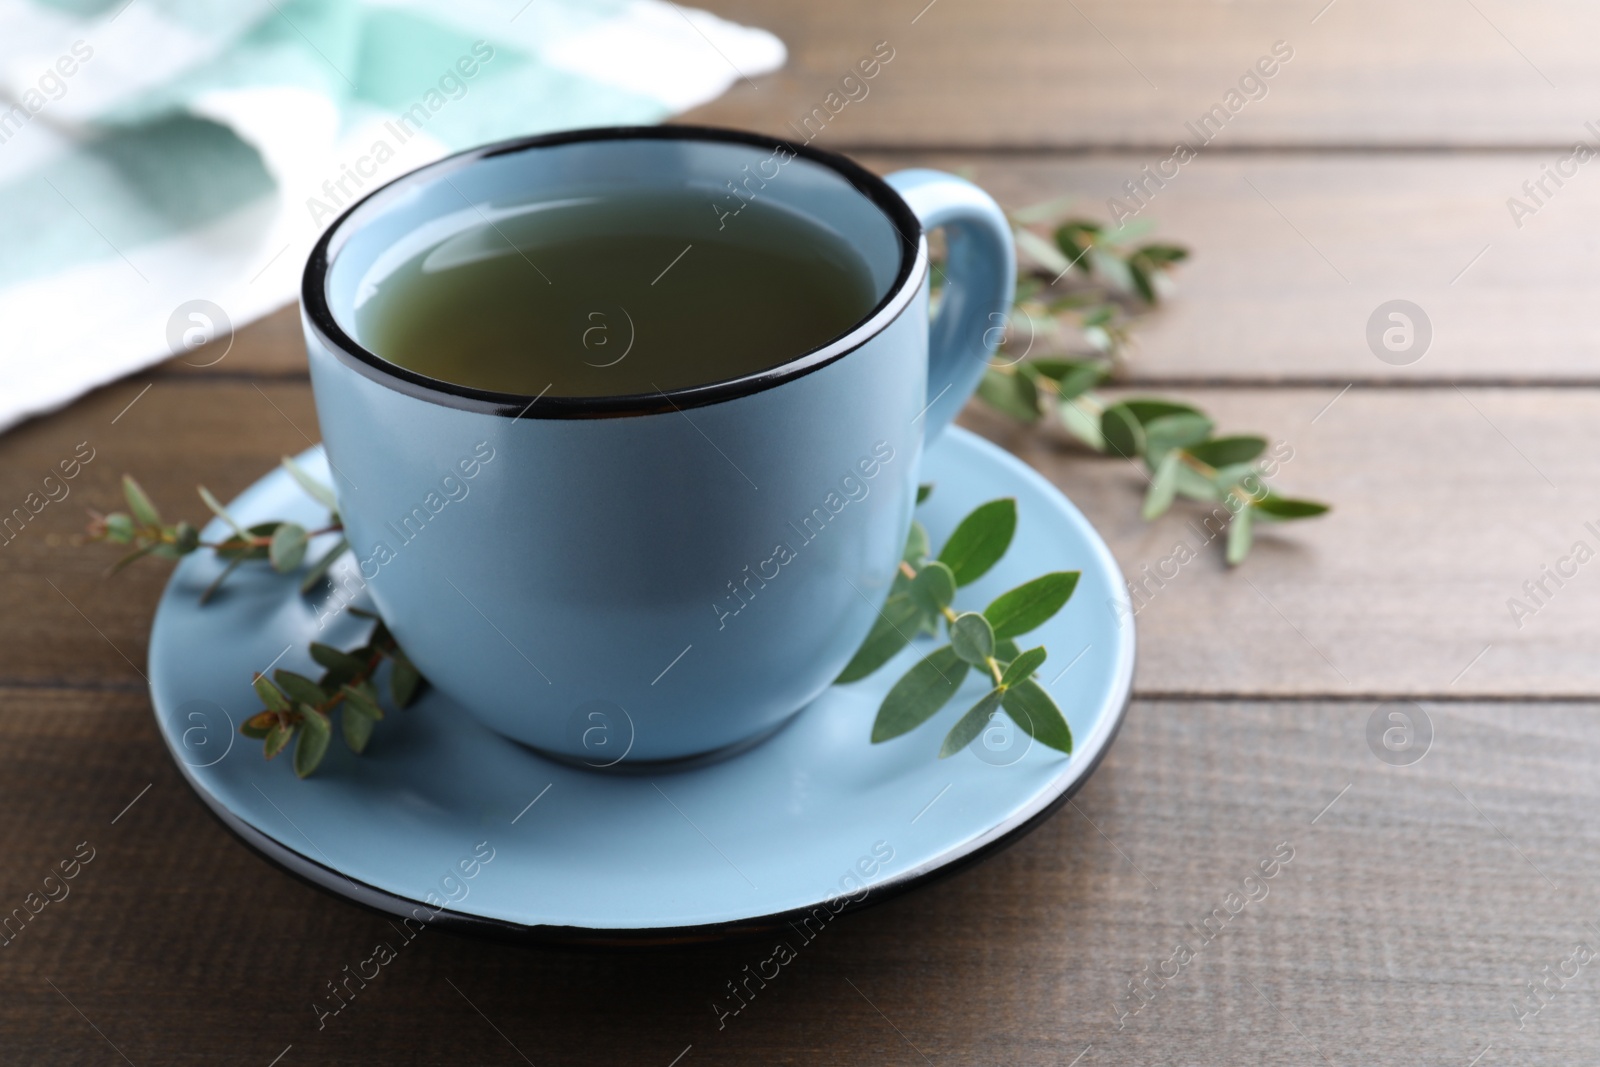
(664,576)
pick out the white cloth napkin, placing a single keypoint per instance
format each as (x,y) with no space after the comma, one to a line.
(165,165)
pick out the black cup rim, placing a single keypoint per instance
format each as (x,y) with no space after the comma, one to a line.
(907,282)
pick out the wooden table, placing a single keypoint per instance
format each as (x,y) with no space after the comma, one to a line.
(1421,900)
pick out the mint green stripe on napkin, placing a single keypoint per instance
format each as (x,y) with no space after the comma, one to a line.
(154,152)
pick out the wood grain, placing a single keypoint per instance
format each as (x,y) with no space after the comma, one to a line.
(1293,253)
(65,620)
(1442,510)
(1421,899)
(1038,73)
(1446,502)
(1413,911)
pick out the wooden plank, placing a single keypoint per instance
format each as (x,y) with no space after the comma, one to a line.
(1446,501)
(1037,73)
(1443,887)
(1443,512)
(1293,254)
(184,431)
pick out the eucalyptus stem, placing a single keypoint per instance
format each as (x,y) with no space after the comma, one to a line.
(296,707)
(1087,286)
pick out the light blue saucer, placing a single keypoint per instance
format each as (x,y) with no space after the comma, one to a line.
(814,816)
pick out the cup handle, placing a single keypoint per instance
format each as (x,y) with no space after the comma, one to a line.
(981,278)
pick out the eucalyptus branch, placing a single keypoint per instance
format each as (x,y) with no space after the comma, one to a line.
(282,544)
(298,707)
(923,595)
(1084,288)
(295,706)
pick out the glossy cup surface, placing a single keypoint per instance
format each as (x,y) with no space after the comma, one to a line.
(642,578)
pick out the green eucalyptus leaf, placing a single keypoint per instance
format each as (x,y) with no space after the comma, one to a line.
(277,737)
(404,680)
(380,638)
(1005,650)
(1194,485)
(917,547)
(239,550)
(1083,422)
(356,726)
(331,657)
(1023,666)
(1232,474)
(1239,535)
(924,491)
(1073,377)
(923,690)
(934,588)
(315,733)
(980,540)
(1100,316)
(301,690)
(219,511)
(1147,410)
(972,637)
(188,538)
(144,512)
(119,528)
(1053,367)
(1030,604)
(898,622)
(1163,486)
(259,725)
(1152,261)
(364,699)
(1285,509)
(270,694)
(970,725)
(1112,268)
(1179,430)
(1041,251)
(267,530)
(1164,255)
(1010,394)
(288,547)
(1224,451)
(1075,238)
(1084,377)
(1122,432)
(322,494)
(1075,301)
(341,666)
(1139,273)
(319,569)
(1031,708)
